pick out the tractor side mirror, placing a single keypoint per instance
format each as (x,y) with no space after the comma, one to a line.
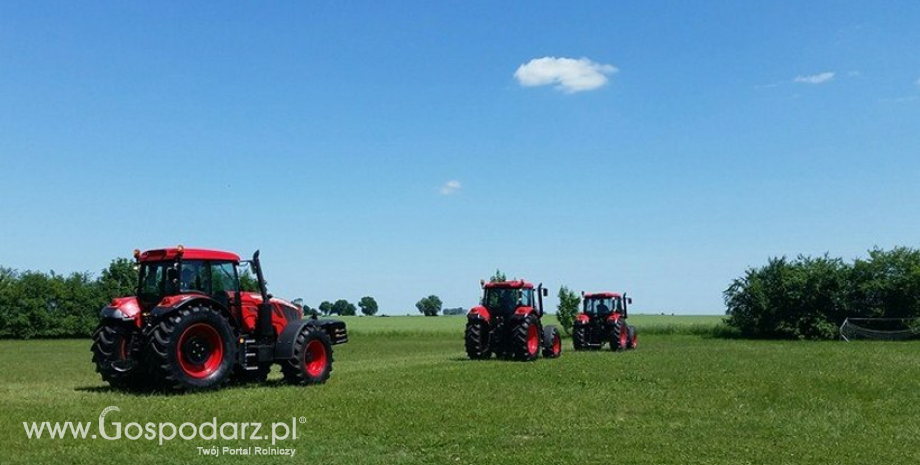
(545,292)
(629,300)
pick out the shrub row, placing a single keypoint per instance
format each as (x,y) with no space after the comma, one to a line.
(809,298)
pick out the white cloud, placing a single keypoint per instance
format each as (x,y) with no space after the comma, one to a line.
(450,187)
(816,78)
(569,75)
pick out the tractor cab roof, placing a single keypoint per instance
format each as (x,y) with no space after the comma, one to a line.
(602,295)
(519,284)
(173,253)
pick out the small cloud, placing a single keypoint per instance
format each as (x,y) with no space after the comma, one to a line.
(816,78)
(450,187)
(569,75)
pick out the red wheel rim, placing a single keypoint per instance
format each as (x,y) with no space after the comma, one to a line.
(200,350)
(315,358)
(533,340)
(557,344)
(635,341)
(623,338)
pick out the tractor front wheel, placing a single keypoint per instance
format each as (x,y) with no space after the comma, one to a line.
(526,340)
(192,349)
(112,354)
(312,362)
(632,340)
(477,340)
(552,342)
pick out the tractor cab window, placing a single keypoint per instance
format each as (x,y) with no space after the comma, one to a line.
(500,300)
(195,276)
(601,306)
(525,298)
(223,278)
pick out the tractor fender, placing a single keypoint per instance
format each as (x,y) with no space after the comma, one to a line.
(284,347)
(614,317)
(582,318)
(122,309)
(522,312)
(479,313)
(173,303)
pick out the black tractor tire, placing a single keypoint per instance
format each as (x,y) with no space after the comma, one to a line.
(193,348)
(243,376)
(632,338)
(618,337)
(476,340)
(580,337)
(312,362)
(525,340)
(112,342)
(552,342)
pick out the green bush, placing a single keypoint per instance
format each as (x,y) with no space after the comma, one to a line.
(808,298)
(35,304)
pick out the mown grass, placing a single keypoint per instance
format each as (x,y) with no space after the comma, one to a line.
(416,400)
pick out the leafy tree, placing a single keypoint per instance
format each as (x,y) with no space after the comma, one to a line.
(325,307)
(344,308)
(368,305)
(567,308)
(453,311)
(498,277)
(120,278)
(429,306)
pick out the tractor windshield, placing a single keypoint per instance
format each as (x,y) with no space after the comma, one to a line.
(159,279)
(504,301)
(602,305)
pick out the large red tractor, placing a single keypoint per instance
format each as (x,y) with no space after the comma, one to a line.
(603,320)
(191,327)
(508,323)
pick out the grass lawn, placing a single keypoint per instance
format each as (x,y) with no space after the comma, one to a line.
(403,392)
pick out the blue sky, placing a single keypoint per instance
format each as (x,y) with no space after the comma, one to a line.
(660,148)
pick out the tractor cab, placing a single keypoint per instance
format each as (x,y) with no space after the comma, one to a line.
(503,299)
(602,305)
(179,271)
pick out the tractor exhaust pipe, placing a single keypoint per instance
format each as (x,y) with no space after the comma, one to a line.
(264,329)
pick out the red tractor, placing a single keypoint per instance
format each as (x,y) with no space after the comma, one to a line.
(508,323)
(603,320)
(191,327)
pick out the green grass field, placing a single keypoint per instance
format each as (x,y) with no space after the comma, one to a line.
(403,392)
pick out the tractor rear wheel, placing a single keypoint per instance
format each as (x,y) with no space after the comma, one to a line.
(618,337)
(526,340)
(312,362)
(192,349)
(552,342)
(632,339)
(477,340)
(580,337)
(112,342)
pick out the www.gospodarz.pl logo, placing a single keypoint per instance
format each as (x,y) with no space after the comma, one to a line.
(162,432)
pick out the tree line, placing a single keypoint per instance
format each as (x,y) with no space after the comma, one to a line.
(810,297)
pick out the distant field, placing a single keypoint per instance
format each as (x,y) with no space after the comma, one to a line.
(416,399)
(651,324)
